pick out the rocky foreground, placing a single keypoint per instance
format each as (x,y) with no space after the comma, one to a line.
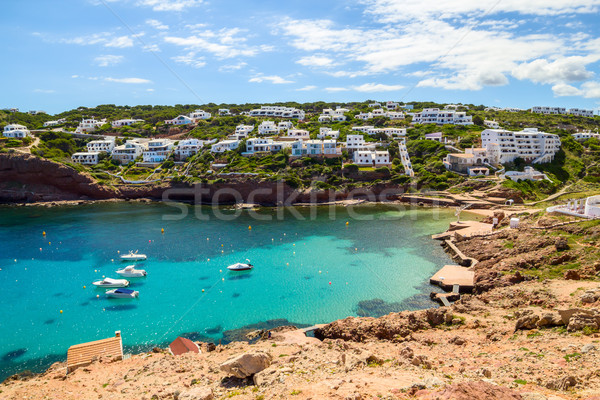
(517,338)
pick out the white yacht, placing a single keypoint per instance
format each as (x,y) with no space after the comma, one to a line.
(110,283)
(130,272)
(122,293)
(133,256)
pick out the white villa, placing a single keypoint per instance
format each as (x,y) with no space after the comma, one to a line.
(371,130)
(531,145)
(125,122)
(105,145)
(441,117)
(241,132)
(224,111)
(336,115)
(199,114)
(315,148)
(357,142)
(298,134)
(491,124)
(529,174)
(86,158)
(395,115)
(279,112)
(158,150)
(54,123)
(258,145)
(188,147)
(391,105)
(549,110)
(371,158)
(471,162)
(225,145)
(581,136)
(285,125)
(15,131)
(437,136)
(267,128)
(89,125)
(130,151)
(579,112)
(180,120)
(327,132)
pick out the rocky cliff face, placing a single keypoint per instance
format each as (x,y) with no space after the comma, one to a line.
(25,178)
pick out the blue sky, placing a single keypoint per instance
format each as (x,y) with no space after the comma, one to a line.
(62,54)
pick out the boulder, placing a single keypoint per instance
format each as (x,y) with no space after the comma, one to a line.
(563,383)
(561,244)
(457,340)
(436,316)
(528,321)
(581,320)
(549,320)
(590,296)
(247,364)
(198,393)
(572,275)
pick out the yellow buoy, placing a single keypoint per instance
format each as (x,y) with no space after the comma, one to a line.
(118,251)
(223,279)
(249,227)
(222,251)
(221,245)
(162,230)
(319,271)
(97,296)
(347,223)
(61,311)
(44,233)
(220,270)
(209,259)
(202,290)
(293,244)
(50,243)
(84,286)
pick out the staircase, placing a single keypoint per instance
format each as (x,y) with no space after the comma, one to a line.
(404,157)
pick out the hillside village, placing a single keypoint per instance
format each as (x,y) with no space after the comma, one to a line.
(318,145)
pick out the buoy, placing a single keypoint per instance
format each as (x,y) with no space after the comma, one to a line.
(222,251)
(284,234)
(330,282)
(355,249)
(294,253)
(118,251)
(319,271)
(97,296)
(61,311)
(249,227)
(223,279)
(293,244)
(15,260)
(202,290)
(207,239)
(209,259)
(84,286)
(50,243)
(103,276)
(220,270)
(272,239)
(162,230)
(347,223)
(40,249)
(44,233)
(149,241)
(288,264)
(112,260)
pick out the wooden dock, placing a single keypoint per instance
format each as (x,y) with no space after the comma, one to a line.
(83,354)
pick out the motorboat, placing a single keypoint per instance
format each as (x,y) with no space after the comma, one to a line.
(133,256)
(122,293)
(130,272)
(240,267)
(109,282)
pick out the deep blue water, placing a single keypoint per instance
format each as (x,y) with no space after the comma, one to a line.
(310,267)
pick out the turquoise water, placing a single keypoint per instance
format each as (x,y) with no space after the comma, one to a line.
(309,268)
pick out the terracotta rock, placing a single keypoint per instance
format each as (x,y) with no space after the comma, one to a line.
(572,275)
(246,365)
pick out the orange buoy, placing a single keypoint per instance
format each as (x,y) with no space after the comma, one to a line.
(249,227)
(44,233)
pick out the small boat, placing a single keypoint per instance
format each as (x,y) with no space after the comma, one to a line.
(131,256)
(109,282)
(130,272)
(122,293)
(240,267)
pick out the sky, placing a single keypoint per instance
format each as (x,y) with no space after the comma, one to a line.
(62,54)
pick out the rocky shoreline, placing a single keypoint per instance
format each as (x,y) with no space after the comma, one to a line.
(529,332)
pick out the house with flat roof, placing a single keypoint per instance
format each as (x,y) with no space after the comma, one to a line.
(105,145)
(529,144)
(268,128)
(130,151)
(86,157)
(371,158)
(225,145)
(441,117)
(125,122)
(88,125)
(199,114)
(15,131)
(158,150)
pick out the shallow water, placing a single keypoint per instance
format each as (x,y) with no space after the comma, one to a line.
(310,267)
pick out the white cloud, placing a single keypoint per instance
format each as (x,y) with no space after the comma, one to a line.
(108,60)
(169,5)
(232,67)
(316,61)
(589,90)
(562,89)
(150,90)
(306,88)
(135,81)
(336,89)
(120,42)
(376,87)
(157,24)
(569,69)
(224,43)
(151,48)
(190,59)
(274,79)
(45,91)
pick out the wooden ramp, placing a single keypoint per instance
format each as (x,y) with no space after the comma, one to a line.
(83,354)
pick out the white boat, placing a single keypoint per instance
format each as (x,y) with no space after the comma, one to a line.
(130,272)
(131,256)
(240,267)
(122,293)
(109,282)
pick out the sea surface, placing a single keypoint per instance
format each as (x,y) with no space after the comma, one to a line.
(312,265)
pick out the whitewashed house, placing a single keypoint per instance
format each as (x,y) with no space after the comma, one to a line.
(105,145)
(54,123)
(125,122)
(436,136)
(224,111)
(199,114)
(298,134)
(330,148)
(325,131)
(158,150)
(372,105)
(15,131)
(225,145)
(549,110)
(355,142)
(285,125)
(441,117)
(130,151)
(86,158)
(277,111)
(586,208)
(491,124)
(89,125)
(188,147)
(324,118)
(364,128)
(580,112)
(582,136)
(267,128)
(364,116)
(391,105)
(395,115)
(180,120)
(371,158)
(528,174)
(262,145)
(529,144)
